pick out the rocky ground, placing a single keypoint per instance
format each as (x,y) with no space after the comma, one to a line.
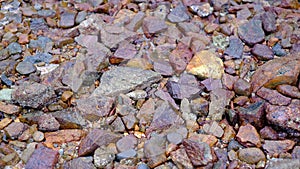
(143,84)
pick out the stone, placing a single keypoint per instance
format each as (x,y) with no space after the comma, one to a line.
(206,64)
(251,155)
(154,151)
(146,112)
(5,122)
(64,136)
(228,81)
(212,84)
(67,19)
(268,133)
(251,32)
(235,48)
(69,119)
(243,14)
(15,129)
(180,158)
(137,94)
(25,68)
(43,44)
(163,67)
(9,108)
(273,147)
(214,129)
(42,157)
(130,153)
(288,90)
(38,136)
(276,72)
(80,162)
(118,125)
(96,138)
(242,87)
(253,114)
(220,41)
(269,21)
(202,9)
(262,52)
(296,152)
(103,157)
(126,143)
(278,50)
(186,87)
(273,96)
(4,54)
(124,80)
(125,51)
(66,95)
(152,25)
(180,57)
(80,17)
(220,98)
(136,22)
(199,152)
(174,138)
(280,163)
(178,14)
(94,107)
(47,122)
(30,148)
(248,136)
(14,48)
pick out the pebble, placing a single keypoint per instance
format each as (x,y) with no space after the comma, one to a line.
(235,48)
(39,57)
(269,21)
(103,157)
(280,163)
(273,97)
(273,147)
(174,138)
(47,122)
(253,114)
(263,52)
(251,155)
(42,157)
(80,162)
(14,48)
(288,90)
(278,50)
(178,14)
(25,68)
(152,25)
(67,19)
(130,153)
(126,143)
(248,136)
(214,129)
(9,108)
(154,151)
(251,32)
(15,129)
(38,136)
(181,158)
(242,87)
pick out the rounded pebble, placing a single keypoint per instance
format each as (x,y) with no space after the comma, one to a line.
(25,68)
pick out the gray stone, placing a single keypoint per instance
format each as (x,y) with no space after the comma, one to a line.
(14,48)
(6,94)
(269,21)
(39,57)
(25,68)
(42,44)
(80,17)
(154,151)
(69,119)
(236,47)
(278,51)
(67,19)
(178,14)
(130,153)
(152,25)
(103,157)
(124,79)
(251,32)
(279,163)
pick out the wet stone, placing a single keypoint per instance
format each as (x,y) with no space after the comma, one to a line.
(94,107)
(103,157)
(199,65)
(152,25)
(25,68)
(42,157)
(277,146)
(181,158)
(263,52)
(198,152)
(14,48)
(67,19)
(47,122)
(33,94)
(15,129)
(253,114)
(248,136)
(251,32)
(269,21)
(273,97)
(288,90)
(126,143)
(80,162)
(235,49)
(124,79)
(251,155)
(154,151)
(178,14)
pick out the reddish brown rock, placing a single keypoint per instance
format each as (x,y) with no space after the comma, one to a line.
(263,52)
(181,158)
(180,57)
(276,72)
(276,147)
(251,155)
(253,114)
(242,87)
(251,32)
(5,122)
(64,136)
(42,158)
(285,116)
(248,136)
(95,139)
(273,96)
(229,80)
(80,162)
(268,133)
(209,139)
(15,129)
(198,152)
(241,100)
(288,90)
(9,108)
(47,122)
(152,25)
(269,21)
(125,51)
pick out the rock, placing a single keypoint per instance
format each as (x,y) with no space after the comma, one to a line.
(180,57)
(276,72)
(163,67)
(9,108)
(174,138)
(152,25)
(178,14)
(42,157)
(199,65)
(198,152)
(66,95)
(278,50)
(33,94)
(136,22)
(243,14)
(130,153)
(118,125)
(87,107)
(242,87)
(80,17)
(251,32)
(263,52)
(296,152)
(124,80)
(146,112)
(253,114)
(186,87)
(25,68)
(212,84)
(64,136)
(95,139)
(14,48)
(125,51)
(273,147)
(268,133)
(154,151)
(273,97)
(214,129)
(103,157)
(279,163)
(23,39)
(288,90)
(137,94)
(269,21)
(126,143)
(220,41)
(234,145)
(80,162)
(67,19)
(180,158)
(47,122)
(251,155)
(220,98)
(38,136)
(248,136)
(6,94)
(15,129)
(228,81)
(235,49)
(43,44)
(290,4)
(69,119)
(202,9)
(5,122)
(30,148)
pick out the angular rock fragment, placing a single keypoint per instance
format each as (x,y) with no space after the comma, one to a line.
(281,163)
(154,151)
(178,14)
(15,129)
(269,21)
(42,157)
(277,146)
(248,136)
(152,25)
(235,49)
(251,32)
(288,90)
(253,114)
(251,155)
(64,136)
(181,158)
(263,52)
(273,97)
(9,108)
(80,162)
